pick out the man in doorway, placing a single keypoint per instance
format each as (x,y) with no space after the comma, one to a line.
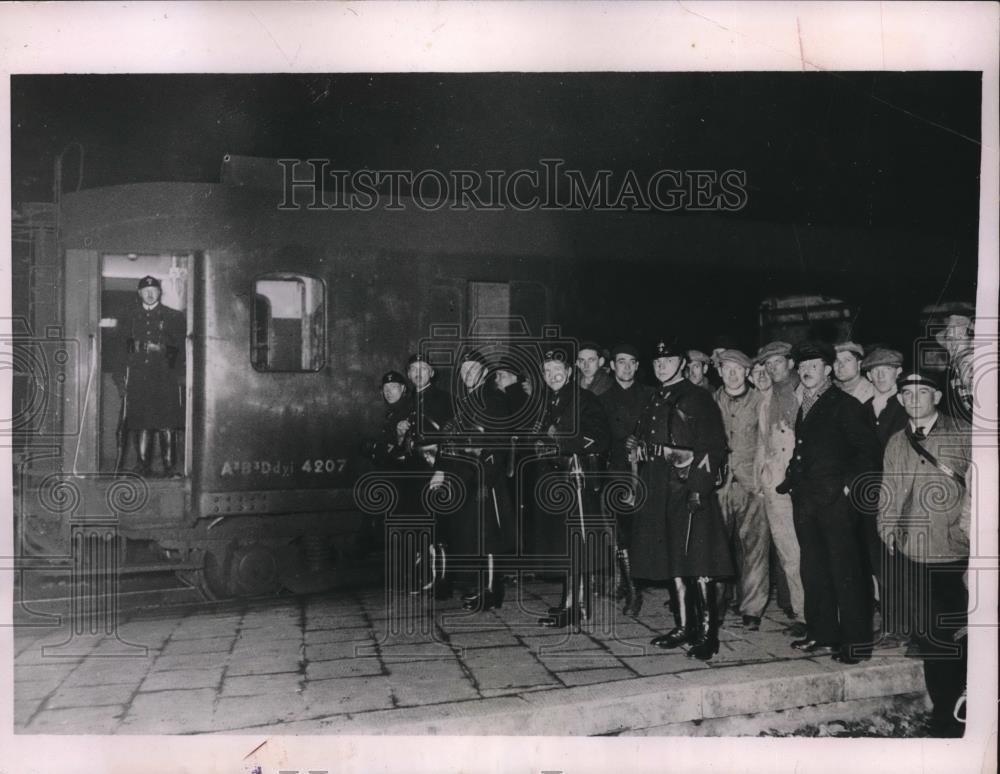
(153,404)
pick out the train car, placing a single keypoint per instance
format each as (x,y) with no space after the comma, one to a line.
(292,314)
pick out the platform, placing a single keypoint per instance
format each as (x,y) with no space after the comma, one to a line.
(365,663)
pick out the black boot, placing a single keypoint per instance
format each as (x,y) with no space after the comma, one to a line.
(442,584)
(632,595)
(706,640)
(681,605)
(168,452)
(144,448)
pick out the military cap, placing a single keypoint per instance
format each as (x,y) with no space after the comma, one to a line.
(918,378)
(697,356)
(590,344)
(624,348)
(782,348)
(849,346)
(735,356)
(149,282)
(560,352)
(880,356)
(393,377)
(473,355)
(813,350)
(417,357)
(667,348)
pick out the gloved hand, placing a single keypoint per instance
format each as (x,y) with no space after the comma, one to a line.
(631,442)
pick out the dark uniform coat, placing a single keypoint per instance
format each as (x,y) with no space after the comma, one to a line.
(154,340)
(834,446)
(388,452)
(483,524)
(670,539)
(578,426)
(623,408)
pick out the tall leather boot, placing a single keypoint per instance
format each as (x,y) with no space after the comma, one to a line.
(706,640)
(632,595)
(681,605)
(168,451)
(442,584)
(144,448)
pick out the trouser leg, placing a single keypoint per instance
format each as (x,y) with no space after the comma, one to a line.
(754,539)
(851,581)
(781,521)
(144,448)
(817,577)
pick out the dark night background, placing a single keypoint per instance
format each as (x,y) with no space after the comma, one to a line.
(892,155)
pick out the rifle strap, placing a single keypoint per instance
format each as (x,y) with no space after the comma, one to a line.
(953,474)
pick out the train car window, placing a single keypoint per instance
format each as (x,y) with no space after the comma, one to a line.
(288,329)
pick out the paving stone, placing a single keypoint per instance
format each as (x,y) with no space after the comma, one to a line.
(356,694)
(271,633)
(404,650)
(329,651)
(109,672)
(490,672)
(484,639)
(245,649)
(36,689)
(317,636)
(91,696)
(590,676)
(248,711)
(345,667)
(197,647)
(78,720)
(23,710)
(430,683)
(181,679)
(170,712)
(320,622)
(33,655)
(660,663)
(590,659)
(189,661)
(262,685)
(44,672)
(264,664)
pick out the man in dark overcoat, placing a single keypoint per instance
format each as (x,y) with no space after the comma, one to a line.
(679,534)
(154,376)
(834,446)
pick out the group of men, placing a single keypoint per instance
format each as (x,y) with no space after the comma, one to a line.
(835,456)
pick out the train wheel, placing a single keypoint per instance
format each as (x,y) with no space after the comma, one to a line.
(211,580)
(254,571)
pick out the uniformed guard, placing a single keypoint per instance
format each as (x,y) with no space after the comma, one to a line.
(679,534)
(623,403)
(388,449)
(573,437)
(153,405)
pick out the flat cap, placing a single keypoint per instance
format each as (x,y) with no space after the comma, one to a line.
(735,356)
(850,346)
(813,350)
(918,378)
(624,348)
(393,377)
(880,356)
(772,348)
(149,282)
(697,356)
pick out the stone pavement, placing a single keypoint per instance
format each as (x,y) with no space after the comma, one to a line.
(359,663)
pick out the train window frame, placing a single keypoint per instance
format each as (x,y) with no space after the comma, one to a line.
(319,336)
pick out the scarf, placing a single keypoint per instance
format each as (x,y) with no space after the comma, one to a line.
(784,406)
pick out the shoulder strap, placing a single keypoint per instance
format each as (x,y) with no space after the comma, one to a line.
(923,452)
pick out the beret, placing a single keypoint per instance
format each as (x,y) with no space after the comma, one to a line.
(393,377)
(735,356)
(852,347)
(882,357)
(149,282)
(782,348)
(623,348)
(813,350)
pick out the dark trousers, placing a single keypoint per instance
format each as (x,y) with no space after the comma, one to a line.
(937,604)
(834,573)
